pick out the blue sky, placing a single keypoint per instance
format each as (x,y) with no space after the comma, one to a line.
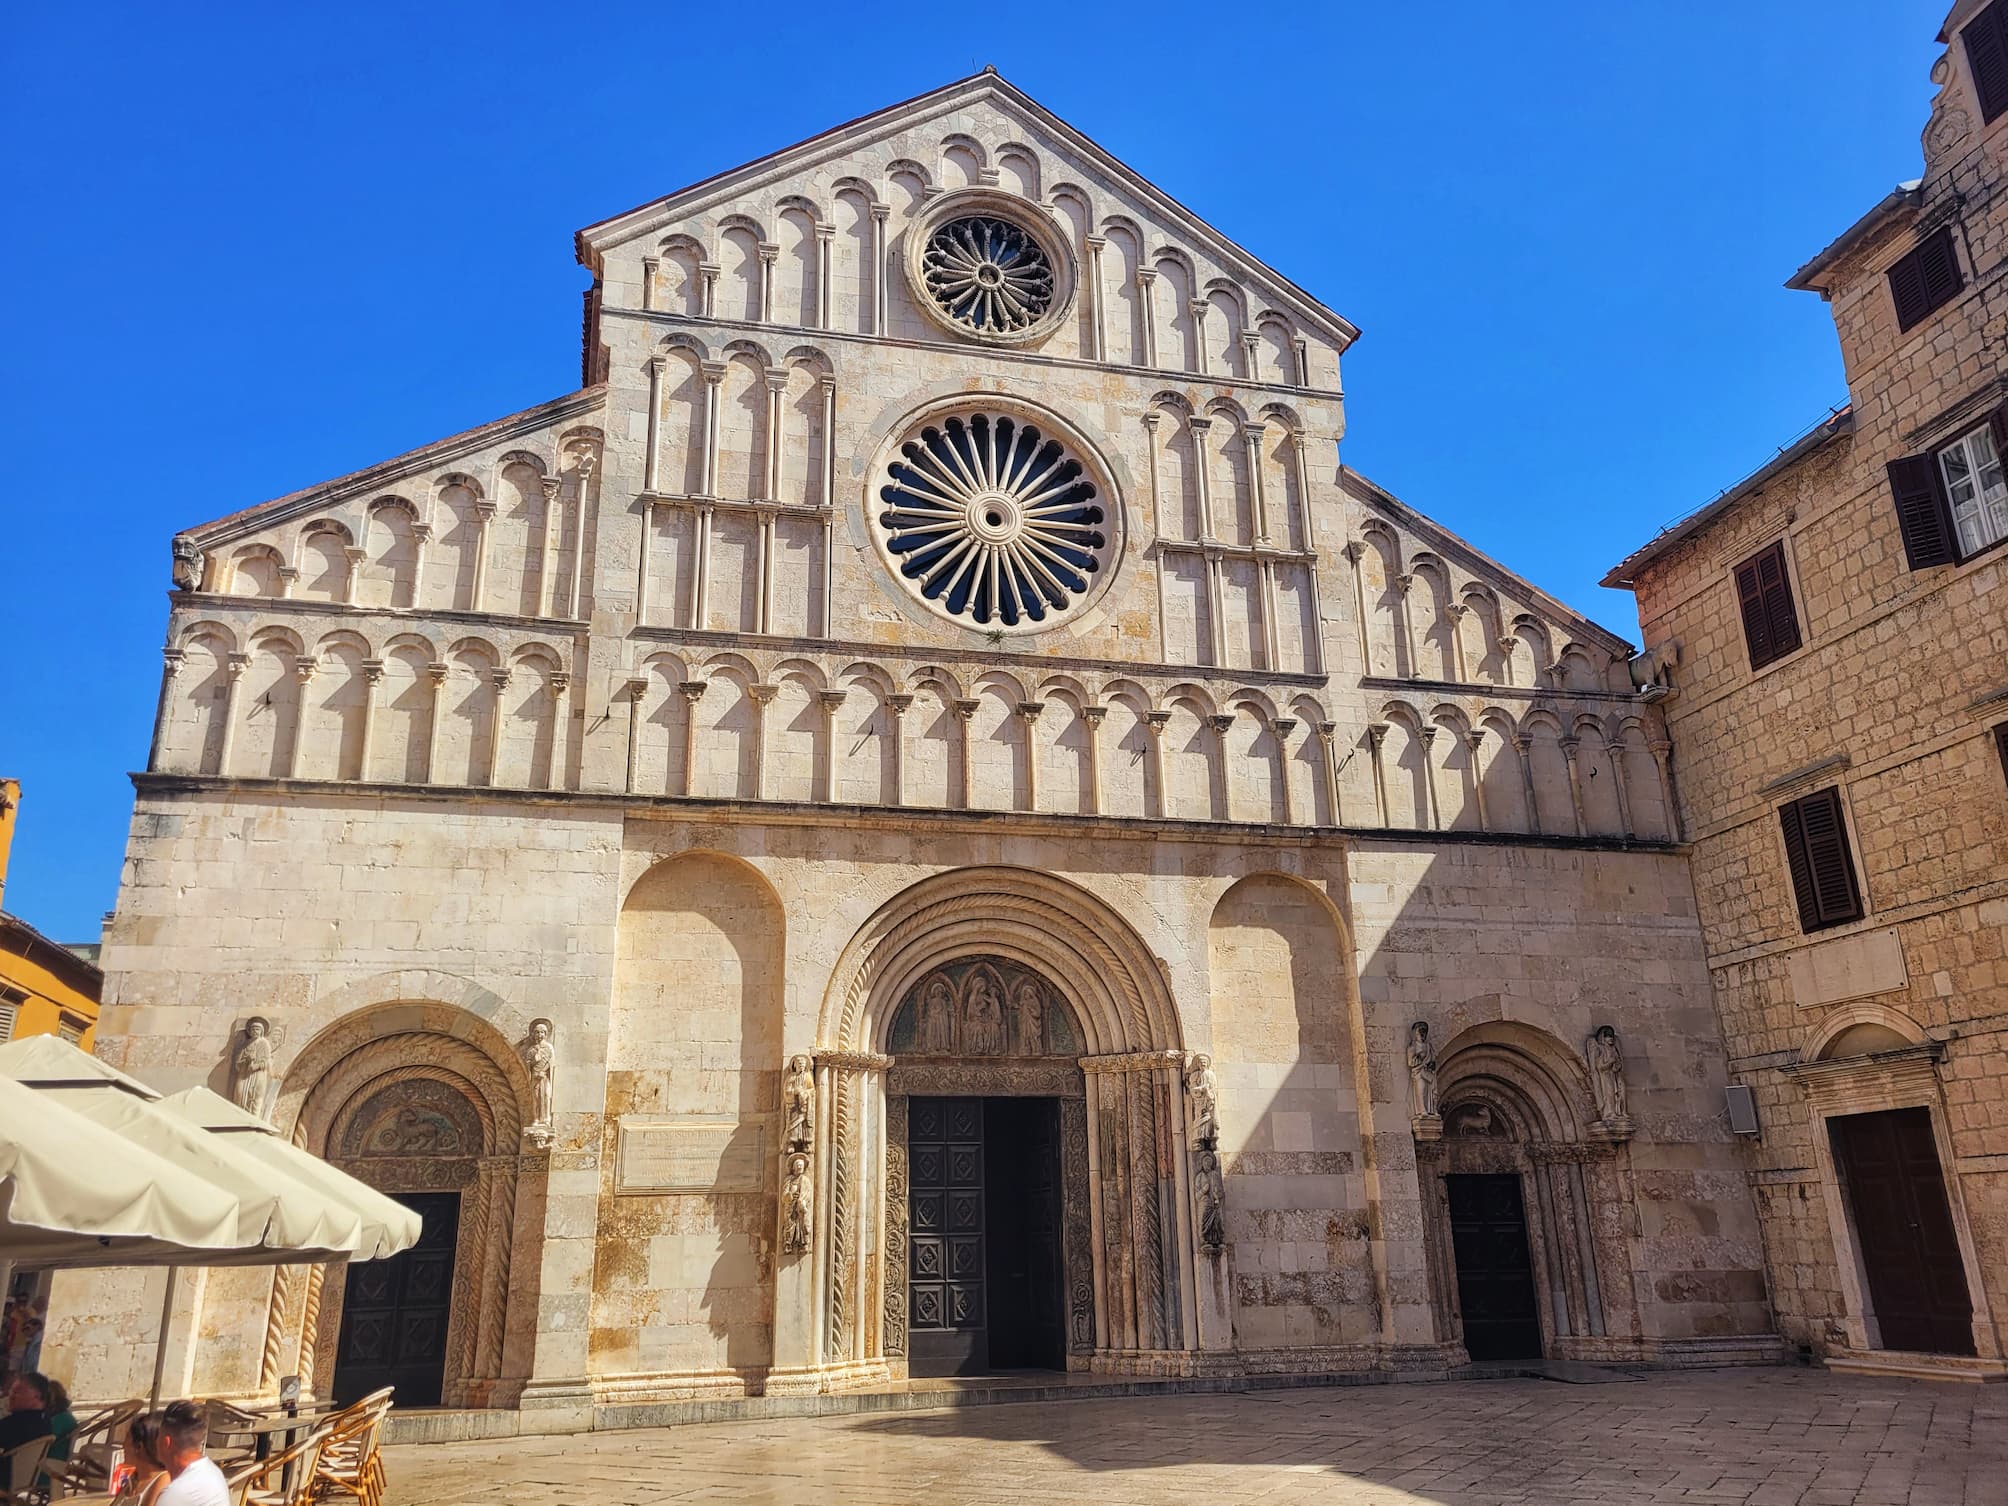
(250,249)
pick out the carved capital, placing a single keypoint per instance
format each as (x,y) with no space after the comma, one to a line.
(171,659)
(1221,723)
(304,666)
(1353,550)
(373,671)
(1029,710)
(693,690)
(965,708)
(714,371)
(1283,726)
(1157,721)
(484,510)
(438,673)
(237,664)
(657,364)
(769,250)
(760,695)
(898,704)
(1378,732)
(830,700)
(1094,716)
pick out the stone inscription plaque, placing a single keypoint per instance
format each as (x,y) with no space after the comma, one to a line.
(689,1155)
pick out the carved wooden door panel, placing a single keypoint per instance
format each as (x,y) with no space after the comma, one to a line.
(1495,1270)
(945,1265)
(394,1315)
(1903,1226)
(1021,1141)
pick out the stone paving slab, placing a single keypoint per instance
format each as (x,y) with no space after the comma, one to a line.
(1755,1437)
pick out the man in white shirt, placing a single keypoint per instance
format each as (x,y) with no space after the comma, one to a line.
(193,1478)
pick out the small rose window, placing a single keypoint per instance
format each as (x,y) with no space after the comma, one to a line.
(988,275)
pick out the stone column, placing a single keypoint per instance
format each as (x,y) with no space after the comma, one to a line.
(1221,795)
(484,513)
(964,710)
(289,576)
(1432,813)
(1144,1231)
(1570,747)
(769,253)
(1251,437)
(896,709)
(1094,717)
(1522,745)
(304,666)
(421,535)
(643,562)
(707,286)
(1202,483)
(1251,346)
(1202,359)
(372,685)
(355,557)
(1377,736)
(1280,729)
(700,591)
(762,696)
(1473,742)
(830,701)
(547,546)
(1614,755)
(777,387)
(555,777)
(692,692)
(881,256)
(650,267)
(1145,279)
(235,668)
(170,669)
(1404,630)
(763,603)
(826,236)
(1098,333)
(1028,717)
(1355,553)
(1328,749)
(634,692)
(587,465)
(651,464)
(714,375)
(1156,721)
(437,674)
(1265,603)
(499,680)
(1302,352)
(1457,614)
(829,502)
(1662,757)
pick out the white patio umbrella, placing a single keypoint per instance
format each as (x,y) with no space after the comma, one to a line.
(387,1225)
(74,1193)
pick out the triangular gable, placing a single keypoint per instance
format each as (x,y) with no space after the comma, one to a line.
(1503,580)
(987,86)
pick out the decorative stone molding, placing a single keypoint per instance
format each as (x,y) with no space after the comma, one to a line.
(853,1061)
(987,265)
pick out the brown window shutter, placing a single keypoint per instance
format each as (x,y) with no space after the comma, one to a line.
(1986,41)
(1919,493)
(1822,868)
(1927,277)
(1764,596)
(2000,419)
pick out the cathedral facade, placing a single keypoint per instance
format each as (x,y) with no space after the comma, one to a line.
(920,823)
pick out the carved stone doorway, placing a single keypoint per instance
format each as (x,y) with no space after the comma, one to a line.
(395,1312)
(1495,1268)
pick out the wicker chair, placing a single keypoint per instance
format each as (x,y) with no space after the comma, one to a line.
(351,1463)
(21,1466)
(285,1479)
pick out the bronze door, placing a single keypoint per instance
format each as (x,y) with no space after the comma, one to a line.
(1903,1228)
(394,1315)
(1495,1271)
(1021,1138)
(946,1327)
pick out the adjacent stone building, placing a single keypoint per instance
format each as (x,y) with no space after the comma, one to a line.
(1832,634)
(908,826)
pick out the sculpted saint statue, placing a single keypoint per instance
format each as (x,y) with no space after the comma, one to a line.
(1028,1019)
(541,1059)
(797,1206)
(1607,1073)
(798,1101)
(936,1036)
(983,1017)
(1211,1198)
(1202,1102)
(1421,1070)
(251,1068)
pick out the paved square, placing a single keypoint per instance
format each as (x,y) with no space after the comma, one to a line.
(1763,1437)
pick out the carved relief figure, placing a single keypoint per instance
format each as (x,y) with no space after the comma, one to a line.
(1421,1070)
(187,569)
(1210,1197)
(541,1059)
(797,1206)
(1202,1102)
(1607,1073)
(798,1102)
(251,1068)
(1028,1019)
(1474,1119)
(937,1018)
(982,1016)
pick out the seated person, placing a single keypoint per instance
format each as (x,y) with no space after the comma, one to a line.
(28,1415)
(193,1478)
(142,1445)
(62,1421)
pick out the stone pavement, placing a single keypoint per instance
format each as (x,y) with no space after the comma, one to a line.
(1761,1437)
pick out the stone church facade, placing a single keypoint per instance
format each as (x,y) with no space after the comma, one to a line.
(908,826)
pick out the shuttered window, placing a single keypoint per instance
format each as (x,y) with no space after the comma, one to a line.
(2001,747)
(1823,870)
(10,1011)
(1953,503)
(1764,595)
(1927,278)
(1986,41)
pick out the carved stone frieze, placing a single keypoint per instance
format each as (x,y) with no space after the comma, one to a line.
(986,1079)
(893,1320)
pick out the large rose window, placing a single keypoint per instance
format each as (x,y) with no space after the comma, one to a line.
(988,274)
(993,521)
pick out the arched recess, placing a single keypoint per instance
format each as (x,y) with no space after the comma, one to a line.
(451,1086)
(694,1034)
(1124,1063)
(1289,1109)
(1516,1102)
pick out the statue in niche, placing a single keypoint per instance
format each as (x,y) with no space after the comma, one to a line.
(798,1102)
(251,1067)
(1210,1198)
(797,1206)
(1421,1070)
(982,1016)
(1028,1018)
(1202,1102)
(1607,1073)
(937,1018)
(540,1059)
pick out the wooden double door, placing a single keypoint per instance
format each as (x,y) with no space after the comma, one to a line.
(1495,1266)
(984,1236)
(395,1312)
(1888,1163)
